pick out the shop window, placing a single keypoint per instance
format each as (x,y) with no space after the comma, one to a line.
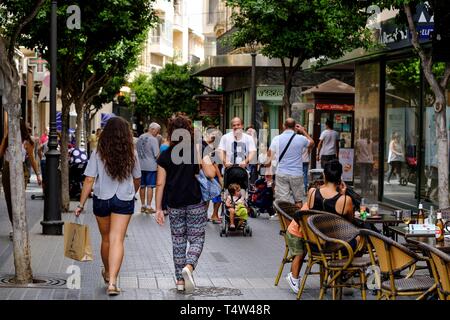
(402,105)
(367,127)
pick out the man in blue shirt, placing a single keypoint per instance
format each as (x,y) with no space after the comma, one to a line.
(287,149)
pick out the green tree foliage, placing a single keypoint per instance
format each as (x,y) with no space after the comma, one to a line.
(87,58)
(170,90)
(297,30)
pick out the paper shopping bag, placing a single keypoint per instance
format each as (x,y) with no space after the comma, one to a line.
(77,242)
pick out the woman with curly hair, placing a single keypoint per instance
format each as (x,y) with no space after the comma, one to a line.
(27,150)
(115,170)
(177,170)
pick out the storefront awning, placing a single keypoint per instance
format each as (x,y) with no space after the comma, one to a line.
(331,86)
(224,65)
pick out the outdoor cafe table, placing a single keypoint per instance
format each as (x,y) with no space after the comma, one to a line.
(386,219)
(443,246)
(427,237)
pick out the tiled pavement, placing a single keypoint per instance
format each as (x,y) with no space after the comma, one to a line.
(231,268)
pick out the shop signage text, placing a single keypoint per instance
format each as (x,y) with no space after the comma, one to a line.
(272,93)
(339,107)
(210,106)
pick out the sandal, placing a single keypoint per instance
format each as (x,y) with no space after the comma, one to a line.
(180,287)
(216,221)
(105,278)
(112,290)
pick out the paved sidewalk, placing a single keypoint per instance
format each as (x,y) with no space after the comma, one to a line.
(235,267)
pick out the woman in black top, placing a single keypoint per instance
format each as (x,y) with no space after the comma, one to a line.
(177,170)
(331,196)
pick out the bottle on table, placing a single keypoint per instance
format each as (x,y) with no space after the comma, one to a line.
(363,206)
(432,216)
(439,227)
(421,215)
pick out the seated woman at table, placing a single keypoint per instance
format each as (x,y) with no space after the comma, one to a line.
(330,197)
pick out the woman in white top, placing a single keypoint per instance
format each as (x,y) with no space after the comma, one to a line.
(364,160)
(27,150)
(114,167)
(396,156)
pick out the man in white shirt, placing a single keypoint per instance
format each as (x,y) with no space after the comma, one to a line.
(328,148)
(237,147)
(287,149)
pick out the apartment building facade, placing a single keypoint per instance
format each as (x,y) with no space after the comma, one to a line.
(177,38)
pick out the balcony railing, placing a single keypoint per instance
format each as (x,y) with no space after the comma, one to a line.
(178,9)
(178,20)
(159,40)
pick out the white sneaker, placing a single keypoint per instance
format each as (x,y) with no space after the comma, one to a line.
(293,283)
(189,284)
(274,217)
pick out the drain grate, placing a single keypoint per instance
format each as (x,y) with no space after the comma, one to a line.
(39,282)
(213,292)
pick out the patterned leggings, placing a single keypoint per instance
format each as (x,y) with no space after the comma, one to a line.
(187,224)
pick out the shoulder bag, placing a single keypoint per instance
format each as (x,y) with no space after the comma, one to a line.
(209,187)
(284,151)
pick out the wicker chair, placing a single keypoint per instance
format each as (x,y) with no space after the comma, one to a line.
(286,212)
(393,258)
(313,255)
(334,234)
(440,268)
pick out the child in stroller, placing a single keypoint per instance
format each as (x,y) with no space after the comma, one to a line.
(234,209)
(260,198)
(236,206)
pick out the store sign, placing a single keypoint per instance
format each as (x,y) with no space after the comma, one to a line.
(338,107)
(396,36)
(272,93)
(346,157)
(210,106)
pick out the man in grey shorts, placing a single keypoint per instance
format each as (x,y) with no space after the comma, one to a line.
(287,149)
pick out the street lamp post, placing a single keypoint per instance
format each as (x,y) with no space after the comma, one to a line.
(133,102)
(52,224)
(253,93)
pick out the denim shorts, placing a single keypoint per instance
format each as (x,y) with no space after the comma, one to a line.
(104,208)
(148,179)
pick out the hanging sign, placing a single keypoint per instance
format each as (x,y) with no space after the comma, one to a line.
(338,107)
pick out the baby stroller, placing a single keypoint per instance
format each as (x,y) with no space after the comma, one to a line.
(260,199)
(239,176)
(411,162)
(77,165)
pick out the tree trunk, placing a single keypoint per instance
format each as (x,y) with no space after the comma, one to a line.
(22,253)
(79,132)
(65,198)
(287,96)
(11,103)
(442,145)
